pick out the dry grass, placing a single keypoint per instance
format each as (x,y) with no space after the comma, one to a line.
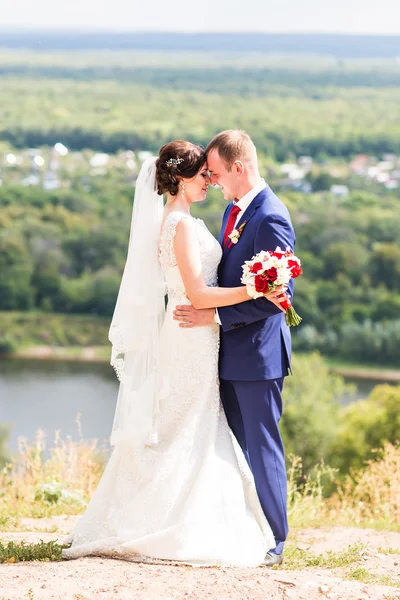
(369,497)
(34,486)
(306,502)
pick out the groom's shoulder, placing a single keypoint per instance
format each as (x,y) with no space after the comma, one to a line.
(272,205)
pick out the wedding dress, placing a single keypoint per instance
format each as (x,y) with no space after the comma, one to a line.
(191,498)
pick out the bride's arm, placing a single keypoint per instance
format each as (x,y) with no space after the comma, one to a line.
(201,296)
(187,254)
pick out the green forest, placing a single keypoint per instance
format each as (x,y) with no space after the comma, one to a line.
(316,108)
(62,251)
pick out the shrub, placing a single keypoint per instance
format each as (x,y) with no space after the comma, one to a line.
(7,345)
(366,425)
(311,412)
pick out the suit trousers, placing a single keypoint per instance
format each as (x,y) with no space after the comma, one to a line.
(253,410)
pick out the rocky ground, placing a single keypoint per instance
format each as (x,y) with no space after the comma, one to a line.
(106,579)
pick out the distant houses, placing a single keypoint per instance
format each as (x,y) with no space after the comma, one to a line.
(56,167)
(341,191)
(385,171)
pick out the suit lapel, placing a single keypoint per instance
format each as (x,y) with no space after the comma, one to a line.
(245,218)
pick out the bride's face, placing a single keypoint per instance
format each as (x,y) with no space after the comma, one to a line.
(196,188)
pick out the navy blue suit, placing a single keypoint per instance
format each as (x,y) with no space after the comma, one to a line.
(255,357)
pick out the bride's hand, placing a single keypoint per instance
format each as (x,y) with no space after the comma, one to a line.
(277,296)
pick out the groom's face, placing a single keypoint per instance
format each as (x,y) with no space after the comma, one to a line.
(219,175)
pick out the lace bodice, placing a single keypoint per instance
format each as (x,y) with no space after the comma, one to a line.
(210,253)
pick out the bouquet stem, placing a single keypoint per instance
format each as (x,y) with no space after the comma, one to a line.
(292,318)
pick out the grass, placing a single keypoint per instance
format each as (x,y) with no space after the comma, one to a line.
(297,559)
(34,486)
(13,552)
(363,575)
(371,496)
(388,551)
(306,502)
(9,523)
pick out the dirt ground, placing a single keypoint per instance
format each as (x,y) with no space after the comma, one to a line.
(106,579)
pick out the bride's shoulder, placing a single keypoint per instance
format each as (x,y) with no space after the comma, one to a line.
(172,219)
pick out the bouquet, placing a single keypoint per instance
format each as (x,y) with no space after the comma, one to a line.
(267,271)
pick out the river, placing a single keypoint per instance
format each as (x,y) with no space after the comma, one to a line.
(50,394)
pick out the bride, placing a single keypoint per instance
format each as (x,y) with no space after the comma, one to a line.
(177,486)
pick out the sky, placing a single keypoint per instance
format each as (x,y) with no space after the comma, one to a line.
(341,16)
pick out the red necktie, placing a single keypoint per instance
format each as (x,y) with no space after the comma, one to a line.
(230,224)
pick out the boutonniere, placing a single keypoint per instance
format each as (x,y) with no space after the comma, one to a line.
(235,235)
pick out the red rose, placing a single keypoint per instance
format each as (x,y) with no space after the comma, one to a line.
(295,268)
(256,267)
(296,271)
(278,254)
(286,304)
(272,274)
(261,283)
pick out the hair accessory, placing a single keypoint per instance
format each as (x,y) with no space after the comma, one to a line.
(174,161)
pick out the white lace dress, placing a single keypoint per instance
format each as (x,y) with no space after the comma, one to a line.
(191,498)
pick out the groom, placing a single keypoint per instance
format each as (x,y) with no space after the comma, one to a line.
(255,341)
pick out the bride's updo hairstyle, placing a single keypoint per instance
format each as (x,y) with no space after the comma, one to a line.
(177,160)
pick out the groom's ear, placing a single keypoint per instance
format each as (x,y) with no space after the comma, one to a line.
(238,167)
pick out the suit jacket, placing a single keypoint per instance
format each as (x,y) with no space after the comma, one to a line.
(255,340)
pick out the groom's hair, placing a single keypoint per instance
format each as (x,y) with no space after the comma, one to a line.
(233,144)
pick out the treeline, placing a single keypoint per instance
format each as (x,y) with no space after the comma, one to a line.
(112,115)
(140,101)
(280,147)
(64,251)
(344,45)
(315,81)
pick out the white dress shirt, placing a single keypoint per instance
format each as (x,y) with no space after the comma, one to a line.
(248,198)
(244,204)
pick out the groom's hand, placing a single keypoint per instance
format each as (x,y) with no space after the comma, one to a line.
(191,317)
